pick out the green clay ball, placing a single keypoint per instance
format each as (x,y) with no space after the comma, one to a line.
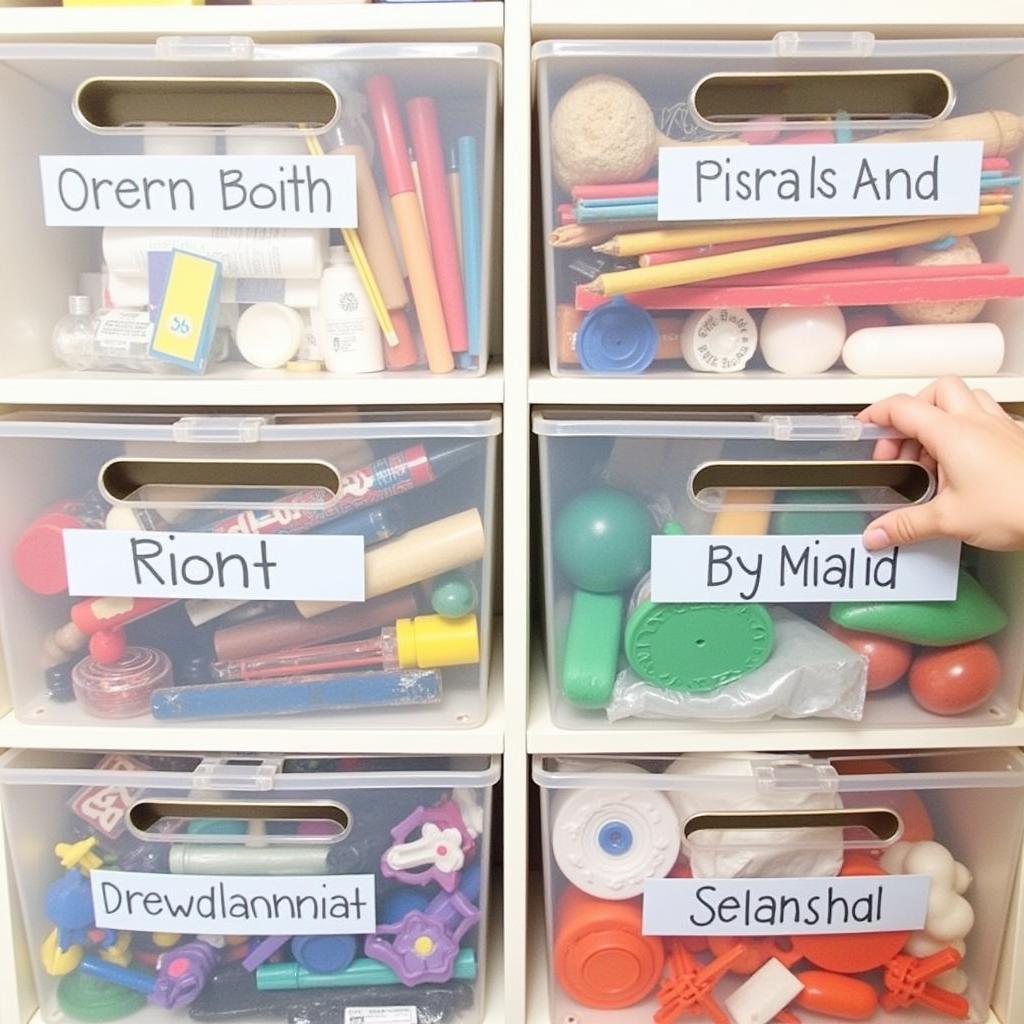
(603,540)
(818,522)
(453,595)
(973,615)
(697,647)
(218,827)
(95,1001)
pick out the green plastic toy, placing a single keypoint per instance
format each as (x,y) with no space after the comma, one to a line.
(818,523)
(971,616)
(602,542)
(95,1001)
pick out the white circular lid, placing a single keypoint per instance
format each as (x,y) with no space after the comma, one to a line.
(269,334)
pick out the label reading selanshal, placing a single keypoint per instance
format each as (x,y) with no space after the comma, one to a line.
(800,568)
(380,1015)
(785,906)
(199,191)
(901,179)
(126,564)
(119,331)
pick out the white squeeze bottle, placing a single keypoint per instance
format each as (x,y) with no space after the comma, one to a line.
(350,338)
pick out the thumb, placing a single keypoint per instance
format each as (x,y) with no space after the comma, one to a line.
(906,526)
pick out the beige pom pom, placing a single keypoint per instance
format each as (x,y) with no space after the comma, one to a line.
(964,251)
(602,131)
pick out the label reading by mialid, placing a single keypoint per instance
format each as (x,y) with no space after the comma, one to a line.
(785,906)
(799,568)
(899,179)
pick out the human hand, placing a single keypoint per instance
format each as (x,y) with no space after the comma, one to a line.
(977,453)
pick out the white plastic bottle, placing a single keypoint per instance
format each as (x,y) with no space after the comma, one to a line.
(110,339)
(350,338)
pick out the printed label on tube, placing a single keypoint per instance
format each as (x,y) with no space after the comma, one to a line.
(199,191)
(899,179)
(800,569)
(380,1015)
(235,566)
(785,906)
(138,901)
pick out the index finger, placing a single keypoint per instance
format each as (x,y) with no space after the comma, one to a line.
(913,417)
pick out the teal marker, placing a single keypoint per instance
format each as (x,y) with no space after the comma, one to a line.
(469,204)
(361,972)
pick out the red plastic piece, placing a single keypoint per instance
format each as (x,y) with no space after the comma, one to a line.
(906,983)
(689,988)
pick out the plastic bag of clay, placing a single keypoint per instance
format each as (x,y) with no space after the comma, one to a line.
(810,674)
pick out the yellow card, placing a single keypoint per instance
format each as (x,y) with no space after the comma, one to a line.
(188,311)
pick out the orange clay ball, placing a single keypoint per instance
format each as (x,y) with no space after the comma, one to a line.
(888,659)
(952,680)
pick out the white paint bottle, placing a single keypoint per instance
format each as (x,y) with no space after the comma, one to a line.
(350,338)
(925,350)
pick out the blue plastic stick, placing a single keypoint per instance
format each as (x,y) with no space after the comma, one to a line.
(469,200)
(118,975)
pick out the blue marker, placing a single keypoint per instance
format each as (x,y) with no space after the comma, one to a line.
(469,201)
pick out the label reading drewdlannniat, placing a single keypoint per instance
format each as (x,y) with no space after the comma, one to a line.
(199,191)
(234,566)
(898,179)
(137,901)
(800,569)
(785,906)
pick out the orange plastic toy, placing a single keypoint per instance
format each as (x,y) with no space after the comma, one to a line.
(906,982)
(757,951)
(836,995)
(600,958)
(689,988)
(852,952)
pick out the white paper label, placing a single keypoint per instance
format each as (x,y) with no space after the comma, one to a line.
(199,191)
(800,568)
(900,179)
(138,901)
(232,566)
(380,1015)
(785,906)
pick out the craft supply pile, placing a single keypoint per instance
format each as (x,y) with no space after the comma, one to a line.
(316,503)
(748,888)
(293,208)
(341,884)
(615,487)
(725,207)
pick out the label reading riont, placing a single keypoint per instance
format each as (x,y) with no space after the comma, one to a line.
(800,569)
(234,566)
(785,906)
(199,191)
(885,179)
(137,901)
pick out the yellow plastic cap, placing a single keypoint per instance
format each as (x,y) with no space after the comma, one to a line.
(429,641)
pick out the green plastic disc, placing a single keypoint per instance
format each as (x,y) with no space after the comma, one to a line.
(93,1000)
(697,647)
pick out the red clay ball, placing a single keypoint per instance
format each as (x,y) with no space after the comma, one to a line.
(953,680)
(888,659)
(107,646)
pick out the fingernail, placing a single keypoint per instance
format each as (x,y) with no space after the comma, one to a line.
(876,538)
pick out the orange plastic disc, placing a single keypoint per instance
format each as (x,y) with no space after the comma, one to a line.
(601,959)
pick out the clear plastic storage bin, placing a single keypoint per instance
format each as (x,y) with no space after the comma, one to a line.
(332,568)
(757,887)
(714,207)
(213,205)
(708,570)
(209,888)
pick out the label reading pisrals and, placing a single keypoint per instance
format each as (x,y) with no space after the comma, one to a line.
(122,564)
(199,191)
(901,179)
(785,906)
(800,569)
(380,1015)
(226,904)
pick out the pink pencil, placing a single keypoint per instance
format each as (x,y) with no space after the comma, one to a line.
(838,273)
(995,163)
(624,189)
(437,208)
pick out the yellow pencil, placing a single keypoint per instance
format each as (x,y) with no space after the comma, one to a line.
(791,254)
(639,242)
(358,254)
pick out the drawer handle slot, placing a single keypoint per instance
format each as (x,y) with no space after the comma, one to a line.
(874,824)
(170,819)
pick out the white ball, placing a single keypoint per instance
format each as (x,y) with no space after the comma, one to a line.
(802,340)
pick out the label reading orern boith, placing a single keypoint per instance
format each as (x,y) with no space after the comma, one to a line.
(800,568)
(898,179)
(139,901)
(199,191)
(124,564)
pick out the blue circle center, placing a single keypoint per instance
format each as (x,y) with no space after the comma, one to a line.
(615,838)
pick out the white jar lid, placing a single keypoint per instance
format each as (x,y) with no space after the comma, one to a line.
(269,334)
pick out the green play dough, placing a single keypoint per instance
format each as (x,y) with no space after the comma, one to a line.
(799,521)
(973,615)
(592,649)
(93,1000)
(697,647)
(453,595)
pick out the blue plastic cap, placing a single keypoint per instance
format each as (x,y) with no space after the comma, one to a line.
(615,838)
(617,337)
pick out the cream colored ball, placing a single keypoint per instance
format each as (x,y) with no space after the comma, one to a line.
(602,131)
(963,251)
